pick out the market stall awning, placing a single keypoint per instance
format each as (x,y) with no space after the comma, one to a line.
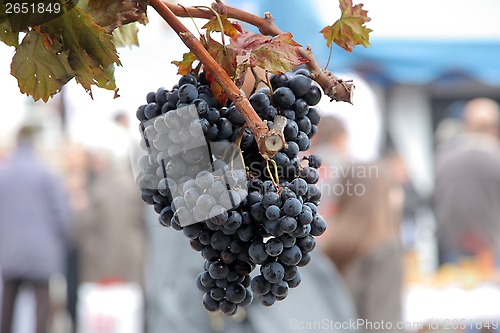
(423,61)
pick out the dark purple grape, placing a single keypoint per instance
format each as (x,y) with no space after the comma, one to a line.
(300,85)
(260,285)
(209,303)
(283,97)
(279,80)
(314,116)
(273,272)
(313,96)
(274,247)
(151,97)
(259,102)
(235,293)
(267,299)
(187,93)
(188,79)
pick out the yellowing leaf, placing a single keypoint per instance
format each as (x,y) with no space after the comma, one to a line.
(40,72)
(350,29)
(186,65)
(276,55)
(126,35)
(226,58)
(111,14)
(230,29)
(91,49)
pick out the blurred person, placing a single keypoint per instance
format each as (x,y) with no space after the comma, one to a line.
(467,190)
(76,180)
(34,229)
(110,230)
(330,143)
(364,242)
(412,201)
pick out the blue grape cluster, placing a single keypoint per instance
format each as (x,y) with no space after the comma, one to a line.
(204,175)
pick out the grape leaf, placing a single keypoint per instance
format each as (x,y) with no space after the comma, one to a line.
(8,36)
(276,55)
(40,72)
(111,14)
(226,58)
(230,29)
(350,29)
(91,49)
(186,65)
(126,35)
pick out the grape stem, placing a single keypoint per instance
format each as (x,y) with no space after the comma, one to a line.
(256,125)
(334,87)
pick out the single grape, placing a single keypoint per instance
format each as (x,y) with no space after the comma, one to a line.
(188,78)
(314,116)
(283,97)
(187,93)
(279,80)
(260,285)
(300,85)
(313,96)
(273,272)
(217,293)
(274,247)
(291,256)
(259,102)
(235,293)
(267,299)
(209,303)
(280,288)
(273,212)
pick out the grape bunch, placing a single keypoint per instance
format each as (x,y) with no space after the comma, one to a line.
(204,175)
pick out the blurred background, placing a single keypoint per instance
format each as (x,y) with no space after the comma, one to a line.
(424,115)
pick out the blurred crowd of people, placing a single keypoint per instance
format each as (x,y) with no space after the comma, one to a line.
(90,225)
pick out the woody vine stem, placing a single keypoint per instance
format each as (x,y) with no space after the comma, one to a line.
(269,141)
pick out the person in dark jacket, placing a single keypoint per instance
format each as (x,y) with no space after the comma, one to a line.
(467,192)
(34,229)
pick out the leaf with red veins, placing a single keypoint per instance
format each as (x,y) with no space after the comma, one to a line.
(226,58)
(350,29)
(276,55)
(230,29)
(186,64)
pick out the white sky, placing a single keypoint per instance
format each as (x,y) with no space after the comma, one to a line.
(425,18)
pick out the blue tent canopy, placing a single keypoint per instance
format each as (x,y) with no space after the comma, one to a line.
(423,61)
(408,61)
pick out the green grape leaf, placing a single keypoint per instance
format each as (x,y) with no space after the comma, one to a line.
(350,29)
(40,72)
(8,36)
(126,35)
(276,55)
(230,29)
(185,66)
(91,49)
(111,14)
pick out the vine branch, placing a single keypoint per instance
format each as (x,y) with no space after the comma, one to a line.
(256,125)
(334,87)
